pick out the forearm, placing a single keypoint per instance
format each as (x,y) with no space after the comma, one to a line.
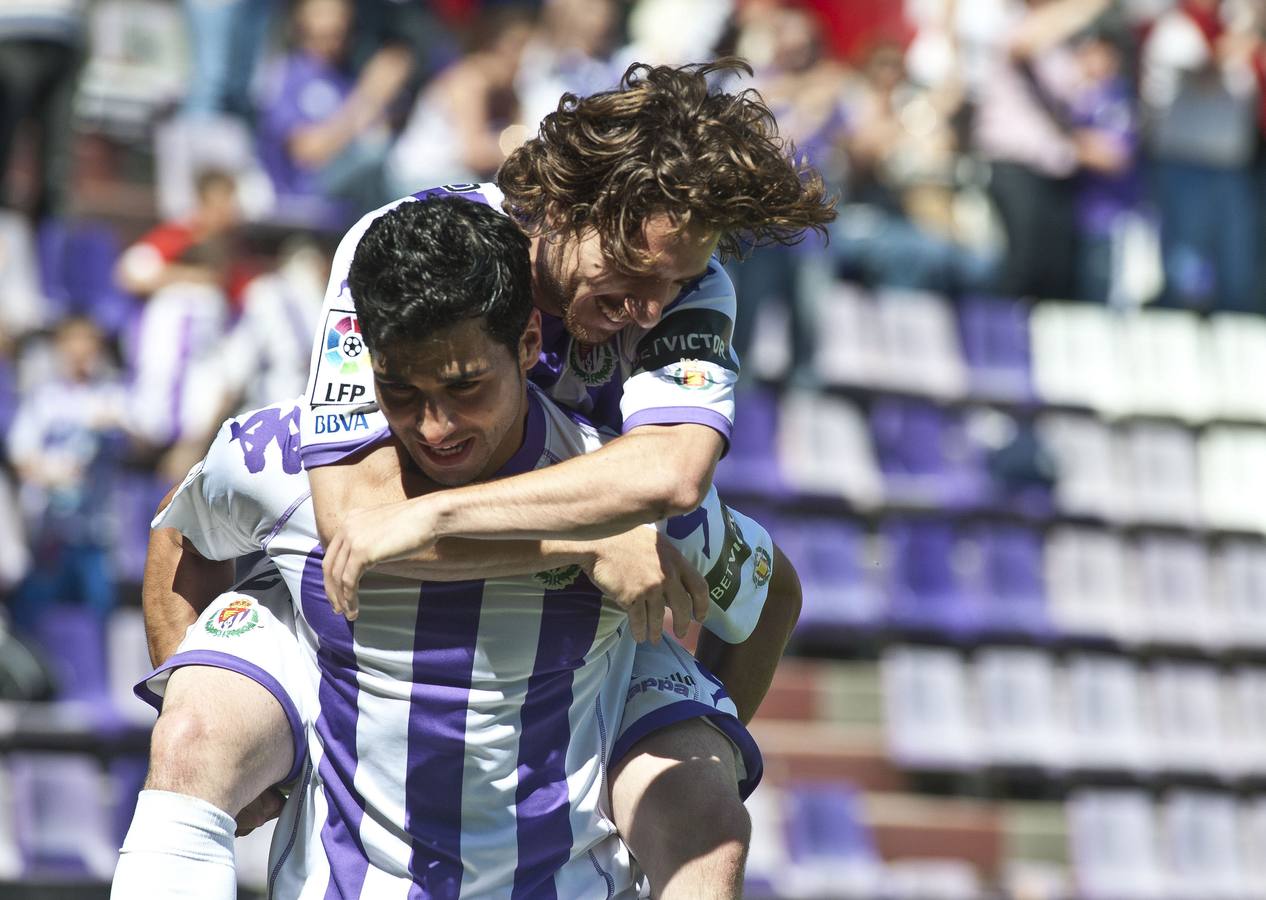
(650,474)
(460,559)
(747,669)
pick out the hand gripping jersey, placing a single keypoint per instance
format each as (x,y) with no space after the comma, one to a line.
(682,370)
(459,734)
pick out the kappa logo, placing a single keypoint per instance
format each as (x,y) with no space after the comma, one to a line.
(239,617)
(557,579)
(594,364)
(762,567)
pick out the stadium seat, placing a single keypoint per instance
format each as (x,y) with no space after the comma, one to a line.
(23,305)
(750,468)
(931,879)
(1233,477)
(1245,692)
(1165,354)
(1189,715)
(848,350)
(72,640)
(1174,589)
(932,579)
(928,721)
(1105,714)
(1019,721)
(1012,596)
(66,826)
(77,273)
(1113,846)
(127,660)
(831,848)
(1237,365)
(1160,462)
(126,775)
(1238,596)
(927,458)
(1252,843)
(10,852)
(824,449)
(1199,832)
(995,340)
(841,596)
(767,859)
(919,337)
(1087,585)
(1076,356)
(1088,468)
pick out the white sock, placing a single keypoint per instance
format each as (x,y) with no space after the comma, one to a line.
(178,848)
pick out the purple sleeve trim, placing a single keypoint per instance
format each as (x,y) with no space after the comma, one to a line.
(316,455)
(681,415)
(218,660)
(683,710)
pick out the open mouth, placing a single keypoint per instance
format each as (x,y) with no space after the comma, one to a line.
(612,312)
(448,454)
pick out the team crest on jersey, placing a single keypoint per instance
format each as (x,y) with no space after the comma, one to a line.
(344,346)
(762,567)
(691,375)
(557,579)
(239,617)
(593,363)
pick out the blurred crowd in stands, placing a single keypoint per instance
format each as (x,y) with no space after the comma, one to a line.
(176,174)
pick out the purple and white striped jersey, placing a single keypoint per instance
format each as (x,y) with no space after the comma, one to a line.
(682,370)
(464,729)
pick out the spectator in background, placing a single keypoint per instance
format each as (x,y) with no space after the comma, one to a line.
(42,49)
(186,271)
(323,129)
(227,36)
(65,444)
(901,154)
(1107,136)
(1022,128)
(1199,96)
(469,118)
(571,52)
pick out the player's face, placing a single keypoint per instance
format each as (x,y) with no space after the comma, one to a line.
(597,299)
(456,400)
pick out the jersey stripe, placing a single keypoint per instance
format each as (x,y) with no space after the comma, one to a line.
(337,695)
(569,621)
(443,656)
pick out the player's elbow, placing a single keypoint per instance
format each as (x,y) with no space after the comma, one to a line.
(678,492)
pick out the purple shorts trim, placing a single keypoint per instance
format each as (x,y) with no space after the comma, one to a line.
(681,415)
(683,710)
(218,660)
(316,455)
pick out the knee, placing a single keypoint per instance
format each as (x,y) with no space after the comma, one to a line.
(785,593)
(186,748)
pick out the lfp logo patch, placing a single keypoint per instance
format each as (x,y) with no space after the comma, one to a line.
(344,346)
(239,617)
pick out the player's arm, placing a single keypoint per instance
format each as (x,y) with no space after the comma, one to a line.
(178,584)
(651,473)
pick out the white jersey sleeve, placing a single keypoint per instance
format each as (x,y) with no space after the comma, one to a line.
(344,417)
(233,499)
(735,555)
(684,369)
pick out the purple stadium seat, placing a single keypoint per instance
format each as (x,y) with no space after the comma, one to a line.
(77,269)
(926,457)
(751,466)
(995,339)
(66,831)
(127,777)
(840,594)
(1013,598)
(930,586)
(831,847)
(73,639)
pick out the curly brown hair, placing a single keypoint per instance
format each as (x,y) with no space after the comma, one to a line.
(665,143)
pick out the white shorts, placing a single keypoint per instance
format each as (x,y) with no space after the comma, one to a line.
(250,630)
(668,686)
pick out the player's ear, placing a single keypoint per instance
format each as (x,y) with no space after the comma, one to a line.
(530,343)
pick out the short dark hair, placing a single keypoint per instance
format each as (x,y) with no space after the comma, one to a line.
(430,264)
